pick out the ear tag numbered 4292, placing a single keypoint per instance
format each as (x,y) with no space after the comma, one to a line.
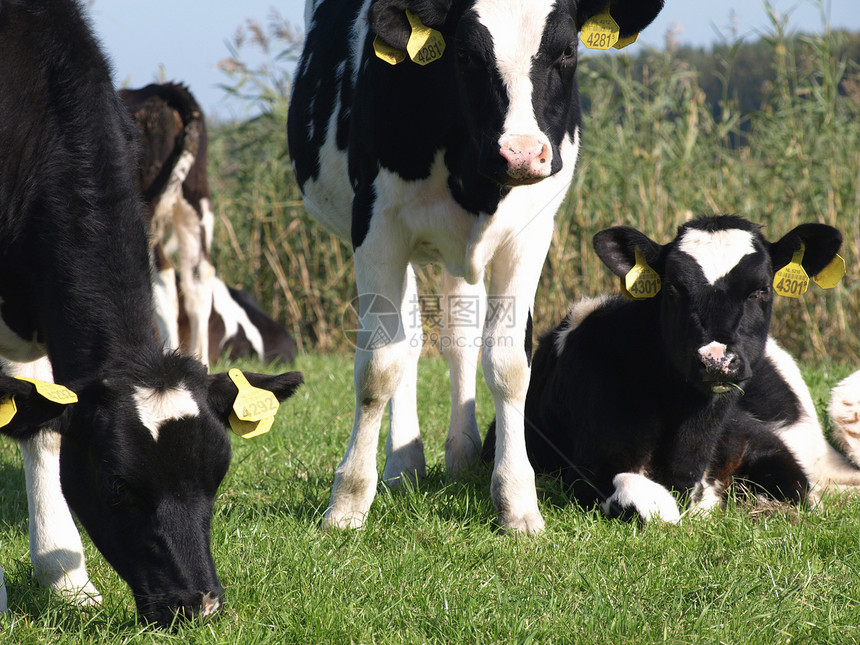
(254,408)
(830,275)
(791,280)
(50,391)
(641,282)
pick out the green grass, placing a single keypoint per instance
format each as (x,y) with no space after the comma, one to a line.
(430,565)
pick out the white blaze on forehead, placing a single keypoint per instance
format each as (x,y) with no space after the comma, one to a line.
(517,30)
(156,407)
(717,252)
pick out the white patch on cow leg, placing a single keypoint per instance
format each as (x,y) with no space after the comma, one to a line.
(706,497)
(156,407)
(717,252)
(55,544)
(404,448)
(235,317)
(207,221)
(514,275)
(845,413)
(650,500)
(823,465)
(463,311)
(380,271)
(166,303)
(195,277)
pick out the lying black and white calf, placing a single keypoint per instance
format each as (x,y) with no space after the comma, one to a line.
(684,391)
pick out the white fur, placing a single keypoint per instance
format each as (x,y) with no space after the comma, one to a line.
(165,300)
(155,408)
(235,317)
(650,500)
(845,413)
(716,252)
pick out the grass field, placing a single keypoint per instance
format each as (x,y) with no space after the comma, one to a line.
(430,566)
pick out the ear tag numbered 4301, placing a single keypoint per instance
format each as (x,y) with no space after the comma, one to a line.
(254,408)
(50,391)
(791,280)
(641,282)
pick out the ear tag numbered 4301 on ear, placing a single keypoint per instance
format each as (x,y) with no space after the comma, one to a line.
(254,408)
(641,282)
(830,275)
(791,280)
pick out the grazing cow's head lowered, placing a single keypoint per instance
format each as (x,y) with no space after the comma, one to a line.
(143,453)
(514,63)
(716,297)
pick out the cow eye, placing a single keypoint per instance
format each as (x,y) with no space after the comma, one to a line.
(464,58)
(568,56)
(672,292)
(760,294)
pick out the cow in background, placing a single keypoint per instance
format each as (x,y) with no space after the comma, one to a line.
(684,391)
(141,452)
(202,317)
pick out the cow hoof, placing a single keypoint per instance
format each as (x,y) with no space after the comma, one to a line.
(845,413)
(85,596)
(529,524)
(404,464)
(637,495)
(462,453)
(338,520)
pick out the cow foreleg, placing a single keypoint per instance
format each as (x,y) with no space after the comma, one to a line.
(381,358)
(195,277)
(637,495)
(165,299)
(56,550)
(845,413)
(404,449)
(463,308)
(506,359)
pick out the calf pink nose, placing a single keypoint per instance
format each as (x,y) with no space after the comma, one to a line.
(528,156)
(715,357)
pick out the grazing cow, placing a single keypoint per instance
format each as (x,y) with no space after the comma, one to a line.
(238,328)
(175,188)
(141,453)
(684,391)
(463,161)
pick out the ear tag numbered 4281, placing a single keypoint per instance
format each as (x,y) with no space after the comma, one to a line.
(50,391)
(830,275)
(641,282)
(602,32)
(425,44)
(791,280)
(254,408)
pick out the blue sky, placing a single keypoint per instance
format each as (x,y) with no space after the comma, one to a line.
(188,38)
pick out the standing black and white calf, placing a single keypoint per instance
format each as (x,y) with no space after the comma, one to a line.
(141,453)
(685,391)
(461,161)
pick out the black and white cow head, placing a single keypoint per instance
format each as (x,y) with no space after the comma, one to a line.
(142,456)
(514,63)
(717,295)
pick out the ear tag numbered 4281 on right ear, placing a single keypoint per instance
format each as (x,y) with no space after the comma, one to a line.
(254,408)
(791,280)
(425,45)
(641,282)
(599,31)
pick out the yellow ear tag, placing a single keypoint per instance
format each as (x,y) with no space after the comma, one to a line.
(425,44)
(8,409)
(254,408)
(623,42)
(791,280)
(52,391)
(387,53)
(599,32)
(641,281)
(830,275)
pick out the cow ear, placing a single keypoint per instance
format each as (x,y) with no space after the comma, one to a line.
(632,16)
(387,18)
(617,246)
(821,244)
(23,411)
(222,390)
